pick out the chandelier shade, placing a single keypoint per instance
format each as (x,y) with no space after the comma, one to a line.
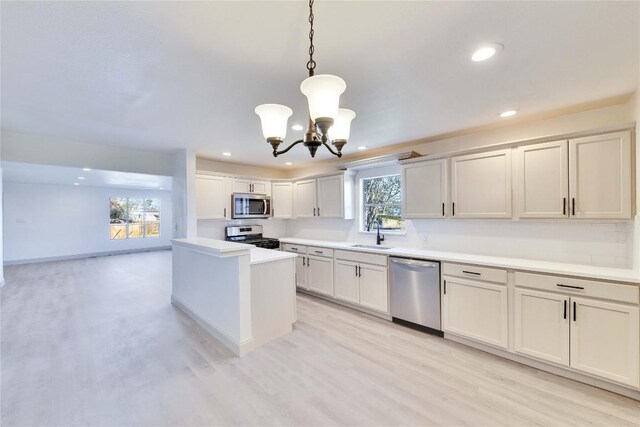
(274,119)
(342,126)
(323,95)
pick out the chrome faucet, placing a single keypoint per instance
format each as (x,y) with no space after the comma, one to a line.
(379,237)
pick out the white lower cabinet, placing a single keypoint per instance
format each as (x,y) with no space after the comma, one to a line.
(301,272)
(320,274)
(542,325)
(595,337)
(373,287)
(346,281)
(605,340)
(476,310)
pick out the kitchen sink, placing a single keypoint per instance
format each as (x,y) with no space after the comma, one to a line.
(381,248)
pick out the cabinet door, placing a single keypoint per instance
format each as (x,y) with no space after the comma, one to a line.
(475,310)
(261,187)
(320,274)
(241,185)
(305,199)
(331,196)
(542,325)
(211,197)
(424,187)
(481,185)
(301,272)
(282,200)
(374,289)
(604,340)
(346,281)
(542,180)
(600,176)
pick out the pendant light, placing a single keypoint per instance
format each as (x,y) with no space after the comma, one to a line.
(327,122)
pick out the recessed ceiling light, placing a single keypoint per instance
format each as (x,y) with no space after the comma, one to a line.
(362,147)
(297,127)
(81,177)
(75,183)
(161,188)
(226,153)
(508,113)
(86,169)
(288,163)
(486,51)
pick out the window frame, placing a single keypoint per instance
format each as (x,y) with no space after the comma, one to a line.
(363,205)
(127,217)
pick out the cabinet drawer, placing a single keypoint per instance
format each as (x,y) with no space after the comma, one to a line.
(315,250)
(288,247)
(362,257)
(581,287)
(474,272)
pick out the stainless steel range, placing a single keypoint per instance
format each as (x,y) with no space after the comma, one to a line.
(250,234)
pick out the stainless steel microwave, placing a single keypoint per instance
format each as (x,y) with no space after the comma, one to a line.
(245,205)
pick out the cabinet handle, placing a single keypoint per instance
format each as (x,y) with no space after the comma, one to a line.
(564,206)
(445,287)
(442,208)
(472,272)
(359,271)
(573,206)
(453,209)
(304,262)
(318,211)
(565,308)
(224,212)
(356,271)
(319,252)
(308,262)
(314,211)
(560,285)
(294,249)
(574,311)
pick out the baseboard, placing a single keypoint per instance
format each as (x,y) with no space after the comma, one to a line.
(87,255)
(238,348)
(556,370)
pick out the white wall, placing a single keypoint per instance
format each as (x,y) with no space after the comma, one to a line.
(592,242)
(57,221)
(1,233)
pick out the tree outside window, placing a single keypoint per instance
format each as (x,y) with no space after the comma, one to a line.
(134,218)
(382,203)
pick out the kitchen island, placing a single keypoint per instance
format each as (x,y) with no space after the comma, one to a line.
(242,295)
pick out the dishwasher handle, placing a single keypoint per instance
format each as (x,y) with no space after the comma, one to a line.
(414,263)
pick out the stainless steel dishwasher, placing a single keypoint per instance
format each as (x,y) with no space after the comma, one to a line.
(415,293)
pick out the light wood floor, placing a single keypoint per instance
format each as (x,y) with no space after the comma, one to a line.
(96,342)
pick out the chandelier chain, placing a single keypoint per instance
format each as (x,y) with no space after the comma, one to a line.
(311,64)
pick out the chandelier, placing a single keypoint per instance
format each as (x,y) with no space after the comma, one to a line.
(327,122)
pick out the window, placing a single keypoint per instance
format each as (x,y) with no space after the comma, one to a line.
(134,218)
(382,202)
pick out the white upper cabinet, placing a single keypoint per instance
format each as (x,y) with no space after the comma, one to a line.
(243,185)
(330,196)
(600,176)
(542,180)
(481,185)
(324,197)
(424,189)
(282,200)
(305,198)
(212,197)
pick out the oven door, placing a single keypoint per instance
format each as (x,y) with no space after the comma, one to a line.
(250,206)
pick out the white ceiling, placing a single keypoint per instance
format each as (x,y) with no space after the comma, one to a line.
(29,173)
(164,76)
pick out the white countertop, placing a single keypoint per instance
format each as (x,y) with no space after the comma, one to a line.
(261,255)
(578,270)
(220,248)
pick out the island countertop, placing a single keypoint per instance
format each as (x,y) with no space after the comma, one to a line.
(261,255)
